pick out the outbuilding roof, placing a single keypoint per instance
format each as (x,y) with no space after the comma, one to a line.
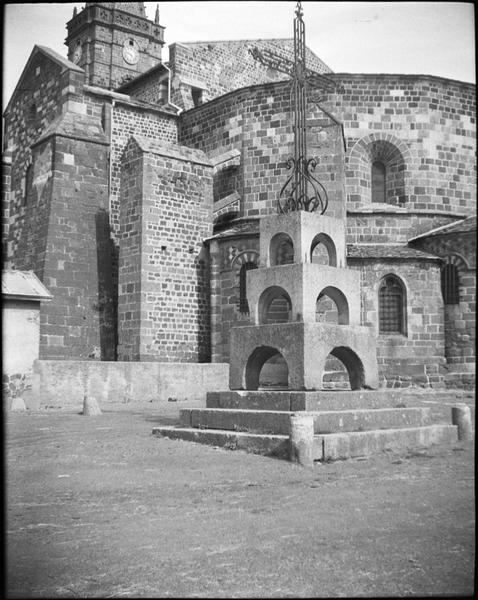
(23,285)
(467,225)
(384,251)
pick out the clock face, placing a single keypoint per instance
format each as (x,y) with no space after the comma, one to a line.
(77,53)
(131,51)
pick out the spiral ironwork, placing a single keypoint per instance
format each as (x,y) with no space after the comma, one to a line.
(301,191)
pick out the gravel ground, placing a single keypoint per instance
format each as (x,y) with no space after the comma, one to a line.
(99,507)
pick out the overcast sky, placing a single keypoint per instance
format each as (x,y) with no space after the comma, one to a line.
(433,38)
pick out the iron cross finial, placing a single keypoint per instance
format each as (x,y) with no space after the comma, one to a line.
(301,191)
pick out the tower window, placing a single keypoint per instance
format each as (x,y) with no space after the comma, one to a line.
(163,91)
(196,94)
(391,306)
(28,183)
(243,304)
(379,182)
(32,112)
(450,284)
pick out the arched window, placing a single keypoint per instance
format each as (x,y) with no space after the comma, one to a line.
(392,306)
(450,284)
(243,305)
(379,182)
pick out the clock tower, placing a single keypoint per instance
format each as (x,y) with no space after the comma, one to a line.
(114,42)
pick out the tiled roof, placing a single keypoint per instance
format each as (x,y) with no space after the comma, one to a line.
(467,225)
(386,252)
(24,285)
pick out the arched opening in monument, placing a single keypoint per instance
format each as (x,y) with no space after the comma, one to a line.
(332,307)
(281,250)
(322,251)
(275,306)
(343,370)
(266,369)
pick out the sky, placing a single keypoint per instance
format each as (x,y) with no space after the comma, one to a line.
(428,38)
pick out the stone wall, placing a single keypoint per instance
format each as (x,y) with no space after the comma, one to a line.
(458,249)
(128,120)
(166,212)
(20,345)
(424,129)
(151,87)
(36,102)
(418,356)
(256,122)
(64,383)
(219,67)
(423,126)
(6,187)
(227,258)
(66,239)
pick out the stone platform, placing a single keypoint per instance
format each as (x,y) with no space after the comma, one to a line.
(346,424)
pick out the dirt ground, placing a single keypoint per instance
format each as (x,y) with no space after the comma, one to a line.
(99,507)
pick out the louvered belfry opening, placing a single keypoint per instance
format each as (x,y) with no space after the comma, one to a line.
(450,284)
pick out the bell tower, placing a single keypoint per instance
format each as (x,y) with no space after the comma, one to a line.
(114,42)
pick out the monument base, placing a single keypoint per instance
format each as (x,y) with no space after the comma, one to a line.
(346,424)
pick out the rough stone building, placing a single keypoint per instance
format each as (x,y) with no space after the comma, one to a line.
(133,189)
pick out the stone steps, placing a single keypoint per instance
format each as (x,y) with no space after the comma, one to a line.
(278,422)
(268,445)
(315,401)
(363,443)
(326,447)
(346,423)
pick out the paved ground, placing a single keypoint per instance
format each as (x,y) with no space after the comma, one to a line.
(98,507)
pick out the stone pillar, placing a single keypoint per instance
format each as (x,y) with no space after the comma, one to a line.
(66,238)
(461,417)
(302,439)
(216,336)
(166,213)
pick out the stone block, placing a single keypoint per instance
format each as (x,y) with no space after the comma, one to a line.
(349,445)
(303,283)
(304,347)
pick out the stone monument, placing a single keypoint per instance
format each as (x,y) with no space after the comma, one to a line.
(283,296)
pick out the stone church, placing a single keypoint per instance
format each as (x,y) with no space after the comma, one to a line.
(133,188)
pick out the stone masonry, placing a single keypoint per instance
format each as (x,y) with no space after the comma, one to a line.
(166,212)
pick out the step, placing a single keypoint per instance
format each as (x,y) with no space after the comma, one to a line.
(333,446)
(278,422)
(363,443)
(268,445)
(314,400)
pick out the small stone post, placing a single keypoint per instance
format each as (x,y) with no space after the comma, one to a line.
(90,406)
(461,417)
(18,404)
(302,439)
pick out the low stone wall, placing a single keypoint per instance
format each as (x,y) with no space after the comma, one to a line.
(64,383)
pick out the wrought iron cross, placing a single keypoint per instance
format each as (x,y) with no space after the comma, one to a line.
(301,191)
